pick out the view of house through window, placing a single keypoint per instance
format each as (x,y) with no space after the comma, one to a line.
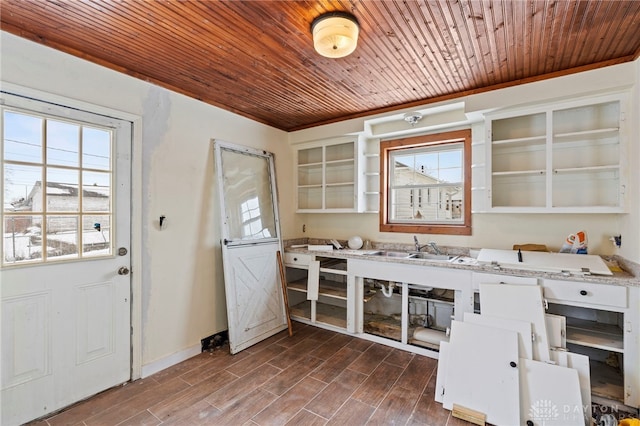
(57,177)
(425,184)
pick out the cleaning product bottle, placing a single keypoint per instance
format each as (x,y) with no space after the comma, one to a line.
(580,243)
(567,246)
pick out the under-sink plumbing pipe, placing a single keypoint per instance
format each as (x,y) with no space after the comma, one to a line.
(387,291)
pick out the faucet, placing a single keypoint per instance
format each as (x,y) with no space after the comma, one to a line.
(431,244)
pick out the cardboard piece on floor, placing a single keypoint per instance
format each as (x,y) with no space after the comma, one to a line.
(549,394)
(481,372)
(525,345)
(522,303)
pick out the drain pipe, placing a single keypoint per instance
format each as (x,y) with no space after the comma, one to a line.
(387,291)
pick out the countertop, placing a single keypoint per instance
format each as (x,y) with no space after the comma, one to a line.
(626,277)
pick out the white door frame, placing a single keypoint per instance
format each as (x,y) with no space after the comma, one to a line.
(136,204)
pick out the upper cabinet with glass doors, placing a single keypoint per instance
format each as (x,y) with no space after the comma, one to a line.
(326,176)
(563,158)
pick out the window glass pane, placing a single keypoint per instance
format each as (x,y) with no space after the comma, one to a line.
(41,151)
(22,238)
(63,143)
(62,237)
(22,188)
(96,192)
(22,137)
(96,235)
(420,166)
(247,191)
(96,148)
(434,204)
(62,190)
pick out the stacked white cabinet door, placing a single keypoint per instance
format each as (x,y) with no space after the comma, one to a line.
(549,395)
(522,303)
(563,158)
(482,372)
(523,328)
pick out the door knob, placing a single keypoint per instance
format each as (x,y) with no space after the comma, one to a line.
(123,270)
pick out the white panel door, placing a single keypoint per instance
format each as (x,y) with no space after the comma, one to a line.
(251,239)
(65,256)
(482,372)
(523,328)
(522,303)
(549,395)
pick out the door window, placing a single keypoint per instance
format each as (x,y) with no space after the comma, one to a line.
(57,188)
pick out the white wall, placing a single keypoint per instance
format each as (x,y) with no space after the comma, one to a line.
(181,272)
(504,230)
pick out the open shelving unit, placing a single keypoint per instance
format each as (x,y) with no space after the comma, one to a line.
(371,176)
(331,306)
(563,158)
(326,176)
(597,333)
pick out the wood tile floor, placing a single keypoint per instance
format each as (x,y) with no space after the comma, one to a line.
(316,377)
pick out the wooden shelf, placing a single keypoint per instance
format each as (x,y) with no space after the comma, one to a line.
(304,165)
(588,169)
(332,315)
(522,141)
(383,325)
(301,310)
(340,184)
(520,173)
(611,131)
(327,288)
(606,381)
(594,335)
(326,314)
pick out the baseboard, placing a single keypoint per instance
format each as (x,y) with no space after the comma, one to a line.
(173,359)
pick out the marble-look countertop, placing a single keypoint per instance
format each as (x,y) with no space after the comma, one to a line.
(628,276)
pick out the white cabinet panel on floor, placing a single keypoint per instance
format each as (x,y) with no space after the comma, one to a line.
(518,302)
(482,372)
(549,395)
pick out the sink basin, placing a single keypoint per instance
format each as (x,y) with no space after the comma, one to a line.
(418,256)
(385,253)
(429,256)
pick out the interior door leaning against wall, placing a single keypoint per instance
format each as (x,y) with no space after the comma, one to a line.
(250,241)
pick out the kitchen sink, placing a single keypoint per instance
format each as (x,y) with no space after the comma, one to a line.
(385,253)
(429,256)
(417,256)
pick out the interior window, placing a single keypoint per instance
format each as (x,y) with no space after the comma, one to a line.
(426,184)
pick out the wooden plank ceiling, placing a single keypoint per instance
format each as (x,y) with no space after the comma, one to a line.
(256,58)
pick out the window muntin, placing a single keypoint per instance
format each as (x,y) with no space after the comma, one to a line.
(57,176)
(425,184)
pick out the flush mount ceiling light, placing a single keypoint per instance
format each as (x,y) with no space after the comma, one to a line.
(413,117)
(335,34)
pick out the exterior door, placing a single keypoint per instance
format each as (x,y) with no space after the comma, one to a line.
(251,239)
(65,256)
